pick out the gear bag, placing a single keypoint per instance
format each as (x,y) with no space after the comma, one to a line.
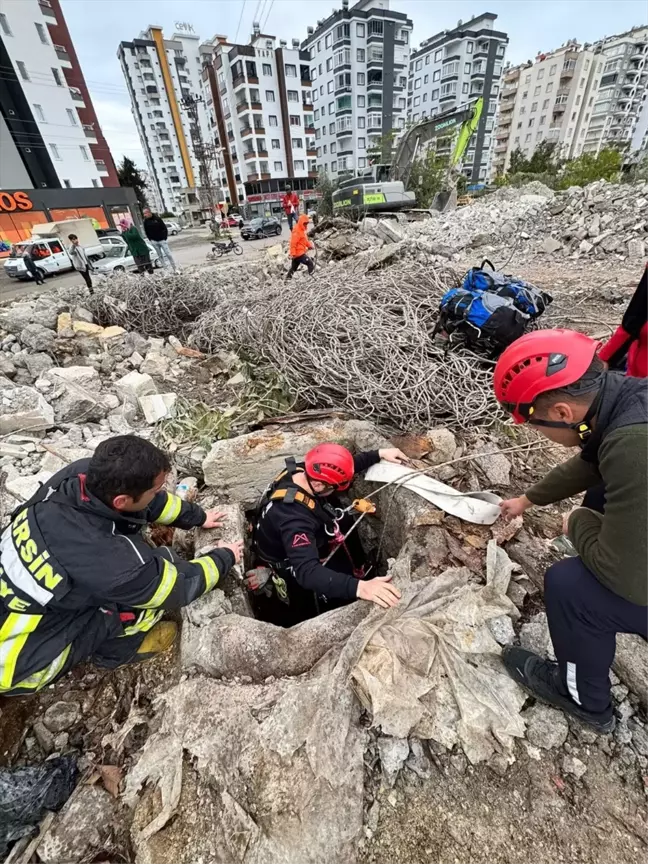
(490,309)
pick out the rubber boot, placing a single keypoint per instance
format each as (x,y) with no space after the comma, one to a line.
(159,639)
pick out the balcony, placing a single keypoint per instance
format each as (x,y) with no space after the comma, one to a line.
(238,81)
(46,9)
(375,60)
(249,154)
(252,79)
(242,106)
(230,135)
(311,151)
(310,129)
(312,174)
(449,70)
(262,153)
(90,134)
(77,96)
(100,165)
(63,56)
(252,177)
(256,106)
(568,68)
(501,148)
(259,130)
(553,133)
(306,83)
(245,131)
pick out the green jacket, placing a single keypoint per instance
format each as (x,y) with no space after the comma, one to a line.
(135,242)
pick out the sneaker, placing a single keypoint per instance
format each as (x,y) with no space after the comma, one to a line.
(542,679)
(159,639)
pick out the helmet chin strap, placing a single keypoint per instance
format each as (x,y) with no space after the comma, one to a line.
(582,427)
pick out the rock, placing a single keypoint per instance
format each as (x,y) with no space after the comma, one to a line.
(550,245)
(61,716)
(64,325)
(158,406)
(85,328)
(7,368)
(61,741)
(110,401)
(418,761)
(23,408)
(502,629)
(155,364)
(585,247)
(619,692)
(495,465)
(631,664)
(640,740)
(535,636)
(517,593)
(136,360)
(37,337)
(23,487)
(572,765)
(44,737)
(558,207)
(546,727)
(81,829)
(38,363)
(79,313)
(636,249)
(134,385)
(77,376)
(20,315)
(393,752)
(622,734)
(242,467)
(113,332)
(77,396)
(237,380)
(443,445)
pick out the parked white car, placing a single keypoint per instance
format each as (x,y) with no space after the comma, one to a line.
(50,258)
(118,259)
(173,228)
(112,240)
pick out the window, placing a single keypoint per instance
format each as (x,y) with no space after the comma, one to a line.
(323,110)
(319,152)
(84,152)
(525,94)
(523,110)
(275,143)
(278,166)
(342,103)
(574,113)
(329,87)
(57,76)
(427,58)
(326,149)
(531,122)
(417,101)
(540,74)
(333,166)
(426,79)
(291,70)
(333,148)
(319,69)
(299,165)
(342,57)
(534,107)
(67,184)
(331,128)
(577,102)
(527,138)
(466,68)
(298,143)
(6,29)
(267,68)
(417,84)
(361,101)
(327,41)
(537,90)
(42,34)
(72,116)
(469,47)
(272,120)
(465,87)
(316,114)
(360,79)
(342,31)
(22,70)
(361,122)
(55,152)
(375,28)
(38,109)
(295,120)
(329,64)
(549,87)
(360,30)
(360,55)
(331,107)
(313,73)
(435,95)
(361,144)
(270,96)
(552,71)
(542,120)
(419,65)
(437,55)
(436,75)
(293,96)
(362,162)
(425,95)
(545,104)
(318,133)
(519,125)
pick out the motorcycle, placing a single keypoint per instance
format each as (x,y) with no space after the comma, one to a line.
(220,249)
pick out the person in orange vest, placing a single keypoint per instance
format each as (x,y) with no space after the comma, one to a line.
(290,204)
(299,246)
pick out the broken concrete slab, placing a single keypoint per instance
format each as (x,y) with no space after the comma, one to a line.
(550,245)
(132,386)
(23,408)
(81,828)
(158,406)
(23,487)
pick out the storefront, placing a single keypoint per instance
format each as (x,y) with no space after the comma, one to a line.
(263,198)
(21,209)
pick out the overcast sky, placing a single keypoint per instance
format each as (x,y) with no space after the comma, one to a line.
(97,27)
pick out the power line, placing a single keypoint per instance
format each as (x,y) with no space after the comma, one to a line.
(240,19)
(268,14)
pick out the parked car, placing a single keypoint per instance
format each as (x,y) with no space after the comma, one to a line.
(112,240)
(50,257)
(233,221)
(173,228)
(118,259)
(261,227)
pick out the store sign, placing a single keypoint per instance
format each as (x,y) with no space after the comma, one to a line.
(277,196)
(183,27)
(10,201)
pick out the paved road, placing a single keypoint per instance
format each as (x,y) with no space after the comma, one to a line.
(188,248)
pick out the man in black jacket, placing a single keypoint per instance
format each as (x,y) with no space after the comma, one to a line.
(77,580)
(300,523)
(157,233)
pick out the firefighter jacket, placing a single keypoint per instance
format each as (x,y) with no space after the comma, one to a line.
(299,242)
(74,572)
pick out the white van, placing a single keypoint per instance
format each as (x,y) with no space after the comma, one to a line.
(49,256)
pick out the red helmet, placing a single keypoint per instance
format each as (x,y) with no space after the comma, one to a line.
(330,463)
(538,362)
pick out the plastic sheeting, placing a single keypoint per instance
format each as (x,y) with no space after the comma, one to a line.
(281,763)
(481,508)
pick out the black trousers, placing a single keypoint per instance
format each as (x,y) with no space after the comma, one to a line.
(584,617)
(86,278)
(143,263)
(292,218)
(33,270)
(303,259)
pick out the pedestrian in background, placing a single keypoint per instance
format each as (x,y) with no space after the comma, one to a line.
(290,204)
(80,260)
(136,246)
(30,264)
(157,233)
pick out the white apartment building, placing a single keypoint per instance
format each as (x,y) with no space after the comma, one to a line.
(359,60)
(161,76)
(43,142)
(261,116)
(548,99)
(454,68)
(620,88)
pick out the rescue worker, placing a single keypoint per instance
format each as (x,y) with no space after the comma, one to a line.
(290,204)
(553,380)
(77,580)
(299,246)
(299,522)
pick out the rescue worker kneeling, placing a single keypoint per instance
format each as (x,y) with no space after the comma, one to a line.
(77,580)
(299,522)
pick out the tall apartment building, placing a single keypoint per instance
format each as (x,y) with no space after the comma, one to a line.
(49,133)
(620,89)
(454,68)
(547,99)
(359,59)
(261,114)
(164,79)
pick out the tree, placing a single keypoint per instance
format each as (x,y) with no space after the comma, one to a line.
(129,175)
(544,159)
(427,177)
(517,161)
(325,187)
(588,168)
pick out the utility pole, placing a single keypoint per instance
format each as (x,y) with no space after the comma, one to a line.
(206,154)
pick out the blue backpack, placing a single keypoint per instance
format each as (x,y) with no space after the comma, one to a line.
(490,309)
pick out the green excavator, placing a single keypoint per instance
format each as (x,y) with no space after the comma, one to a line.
(382,188)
